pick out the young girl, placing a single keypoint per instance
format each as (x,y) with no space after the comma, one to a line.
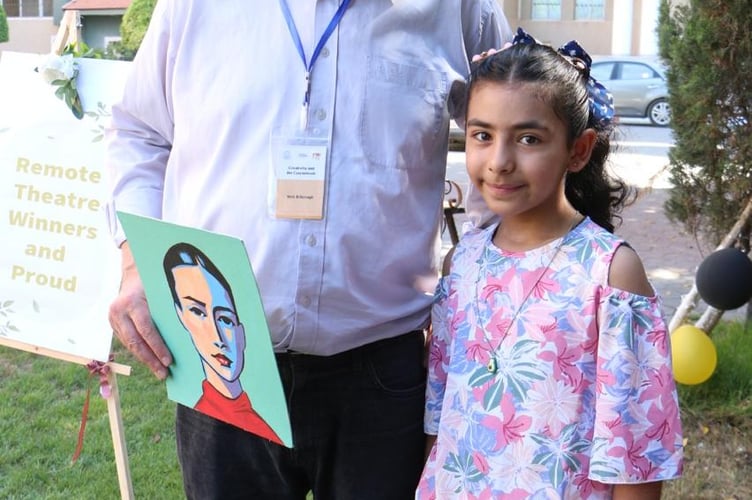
(550,371)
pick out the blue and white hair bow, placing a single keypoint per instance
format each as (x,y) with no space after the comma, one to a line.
(600,99)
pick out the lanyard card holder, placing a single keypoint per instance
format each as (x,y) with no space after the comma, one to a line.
(297,181)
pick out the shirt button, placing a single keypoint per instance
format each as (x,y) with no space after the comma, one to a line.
(321,115)
(324,52)
(305,301)
(311,241)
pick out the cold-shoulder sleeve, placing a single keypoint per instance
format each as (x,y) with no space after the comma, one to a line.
(438,357)
(637,436)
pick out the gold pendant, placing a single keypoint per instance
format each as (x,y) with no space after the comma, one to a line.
(492,366)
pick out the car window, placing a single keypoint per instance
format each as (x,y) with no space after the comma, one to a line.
(602,71)
(637,71)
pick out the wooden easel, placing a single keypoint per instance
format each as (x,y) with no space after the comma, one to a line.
(67,34)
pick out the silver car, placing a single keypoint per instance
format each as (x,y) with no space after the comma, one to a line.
(638,86)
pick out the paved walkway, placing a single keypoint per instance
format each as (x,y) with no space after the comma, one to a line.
(670,255)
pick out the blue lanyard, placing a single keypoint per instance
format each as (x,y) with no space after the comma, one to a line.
(320,45)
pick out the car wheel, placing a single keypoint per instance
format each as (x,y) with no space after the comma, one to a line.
(659,113)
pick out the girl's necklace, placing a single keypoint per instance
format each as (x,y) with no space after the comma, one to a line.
(493,363)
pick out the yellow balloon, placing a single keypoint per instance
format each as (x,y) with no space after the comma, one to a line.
(693,355)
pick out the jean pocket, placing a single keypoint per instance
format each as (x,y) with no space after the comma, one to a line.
(403,113)
(398,369)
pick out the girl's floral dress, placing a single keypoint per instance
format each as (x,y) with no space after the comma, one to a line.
(582,395)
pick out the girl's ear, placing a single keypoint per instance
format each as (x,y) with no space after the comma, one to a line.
(581,150)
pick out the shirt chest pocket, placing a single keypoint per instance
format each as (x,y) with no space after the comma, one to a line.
(404,117)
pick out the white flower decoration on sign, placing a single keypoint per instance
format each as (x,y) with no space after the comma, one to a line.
(61,71)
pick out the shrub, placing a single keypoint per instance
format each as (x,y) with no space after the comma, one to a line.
(116,51)
(708,51)
(135,21)
(4,36)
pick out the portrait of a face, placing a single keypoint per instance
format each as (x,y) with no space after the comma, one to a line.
(205,307)
(206,311)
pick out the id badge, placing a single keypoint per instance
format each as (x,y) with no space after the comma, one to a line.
(297,183)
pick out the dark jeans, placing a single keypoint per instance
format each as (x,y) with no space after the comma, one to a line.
(357,425)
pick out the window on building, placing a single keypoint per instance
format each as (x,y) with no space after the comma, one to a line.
(590,9)
(27,8)
(546,9)
(111,39)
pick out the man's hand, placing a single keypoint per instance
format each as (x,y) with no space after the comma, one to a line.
(490,52)
(131,321)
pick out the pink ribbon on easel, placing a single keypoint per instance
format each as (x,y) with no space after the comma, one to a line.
(103,371)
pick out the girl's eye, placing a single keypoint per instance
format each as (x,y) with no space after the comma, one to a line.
(529,140)
(481,136)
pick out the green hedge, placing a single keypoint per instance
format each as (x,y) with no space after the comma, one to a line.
(135,21)
(4,36)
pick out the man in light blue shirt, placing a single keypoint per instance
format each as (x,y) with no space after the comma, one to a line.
(316,132)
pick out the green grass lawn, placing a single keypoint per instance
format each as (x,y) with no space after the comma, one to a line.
(39,421)
(728,393)
(42,399)
(717,423)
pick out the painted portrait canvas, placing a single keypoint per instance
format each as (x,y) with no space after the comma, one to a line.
(204,299)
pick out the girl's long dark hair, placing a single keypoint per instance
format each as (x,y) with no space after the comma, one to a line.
(562,84)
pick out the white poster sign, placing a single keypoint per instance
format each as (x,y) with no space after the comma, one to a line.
(59,269)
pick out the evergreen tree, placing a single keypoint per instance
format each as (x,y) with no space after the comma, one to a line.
(135,21)
(4,35)
(707,47)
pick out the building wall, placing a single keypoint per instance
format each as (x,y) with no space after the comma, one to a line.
(647,40)
(628,28)
(96,29)
(594,35)
(30,34)
(57,10)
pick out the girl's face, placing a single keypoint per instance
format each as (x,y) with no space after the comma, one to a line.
(516,150)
